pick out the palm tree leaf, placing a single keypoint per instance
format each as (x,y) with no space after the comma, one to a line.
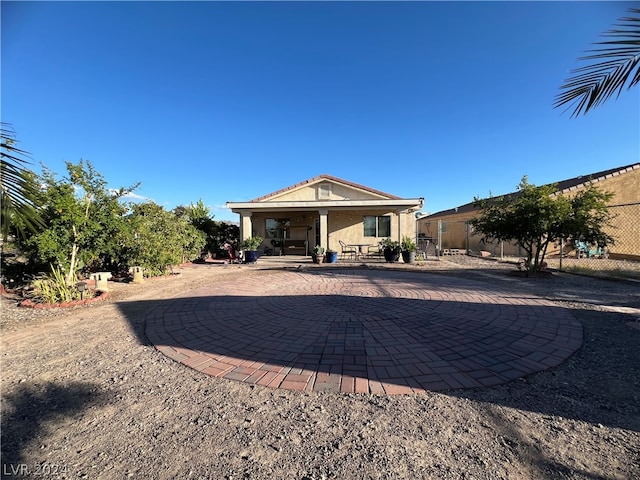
(17,191)
(617,66)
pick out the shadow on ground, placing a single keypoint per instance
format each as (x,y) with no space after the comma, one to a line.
(598,384)
(32,408)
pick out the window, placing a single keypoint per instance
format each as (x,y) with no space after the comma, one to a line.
(277,227)
(377,226)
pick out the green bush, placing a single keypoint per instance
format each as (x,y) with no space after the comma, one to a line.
(252,243)
(408,245)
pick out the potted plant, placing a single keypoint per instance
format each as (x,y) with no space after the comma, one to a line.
(318,254)
(391,249)
(408,247)
(332,256)
(250,247)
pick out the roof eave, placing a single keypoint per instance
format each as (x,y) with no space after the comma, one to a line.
(400,203)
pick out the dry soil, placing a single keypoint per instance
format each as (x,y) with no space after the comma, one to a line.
(83,398)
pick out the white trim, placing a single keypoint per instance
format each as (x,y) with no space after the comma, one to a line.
(408,203)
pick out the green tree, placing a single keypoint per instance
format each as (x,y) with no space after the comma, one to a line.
(611,68)
(17,188)
(84,220)
(534,217)
(199,216)
(589,218)
(160,239)
(225,233)
(216,233)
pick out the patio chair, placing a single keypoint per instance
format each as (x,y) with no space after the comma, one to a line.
(374,251)
(347,251)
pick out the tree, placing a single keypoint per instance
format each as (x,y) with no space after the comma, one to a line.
(589,218)
(199,216)
(216,233)
(534,217)
(160,238)
(84,220)
(616,65)
(224,233)
(17,187)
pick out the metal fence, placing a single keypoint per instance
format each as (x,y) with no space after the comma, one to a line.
(622,258)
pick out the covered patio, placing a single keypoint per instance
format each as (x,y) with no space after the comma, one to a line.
(325,211)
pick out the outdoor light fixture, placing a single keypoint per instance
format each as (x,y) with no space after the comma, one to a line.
(81,286)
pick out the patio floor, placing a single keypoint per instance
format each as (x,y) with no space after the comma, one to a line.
(359,330)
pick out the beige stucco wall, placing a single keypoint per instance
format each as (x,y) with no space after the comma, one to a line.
(624,206)
(345,225)
(348,227)
(312,192)
(625,187)
(457,234)
(625,210)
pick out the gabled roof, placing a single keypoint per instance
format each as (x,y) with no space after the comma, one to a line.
(351,196)
(562,187)
(325,177)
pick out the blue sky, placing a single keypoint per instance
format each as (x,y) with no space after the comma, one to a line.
(228,101)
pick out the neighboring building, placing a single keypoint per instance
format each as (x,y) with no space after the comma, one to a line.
(623,182)
(323,211)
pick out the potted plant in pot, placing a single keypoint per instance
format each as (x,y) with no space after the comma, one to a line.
(408,247)
(332,256)
(318,254)
(391,250)
(250,247)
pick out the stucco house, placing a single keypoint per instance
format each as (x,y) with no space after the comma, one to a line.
(450,229)
(325,210)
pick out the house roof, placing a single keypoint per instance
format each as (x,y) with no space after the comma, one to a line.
(573,183)
(279,201)
(320,178)
(562,187)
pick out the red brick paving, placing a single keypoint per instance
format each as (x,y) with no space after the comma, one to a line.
(362,331)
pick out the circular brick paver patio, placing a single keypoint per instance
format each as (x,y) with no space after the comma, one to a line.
(362,331)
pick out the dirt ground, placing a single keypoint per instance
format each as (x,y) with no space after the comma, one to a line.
(82,398)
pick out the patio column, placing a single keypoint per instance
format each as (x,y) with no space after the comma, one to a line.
(324,232)
(245,225)
(399,213)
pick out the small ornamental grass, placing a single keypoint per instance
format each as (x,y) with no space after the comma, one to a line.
(53,288)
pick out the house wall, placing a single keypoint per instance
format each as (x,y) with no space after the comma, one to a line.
(349,227)
(624,206)
(625,186)
(456,233)
(343,225)
(313,192)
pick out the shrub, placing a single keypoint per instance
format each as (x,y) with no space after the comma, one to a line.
(54,289)
(408,245)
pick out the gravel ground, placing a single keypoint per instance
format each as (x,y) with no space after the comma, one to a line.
(82,398)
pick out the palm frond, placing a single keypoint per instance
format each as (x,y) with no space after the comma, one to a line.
(17,190)
(613,67)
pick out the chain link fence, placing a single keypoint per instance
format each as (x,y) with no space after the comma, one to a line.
(620,259)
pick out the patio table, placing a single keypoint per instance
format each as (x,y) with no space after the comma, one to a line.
(359,245)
